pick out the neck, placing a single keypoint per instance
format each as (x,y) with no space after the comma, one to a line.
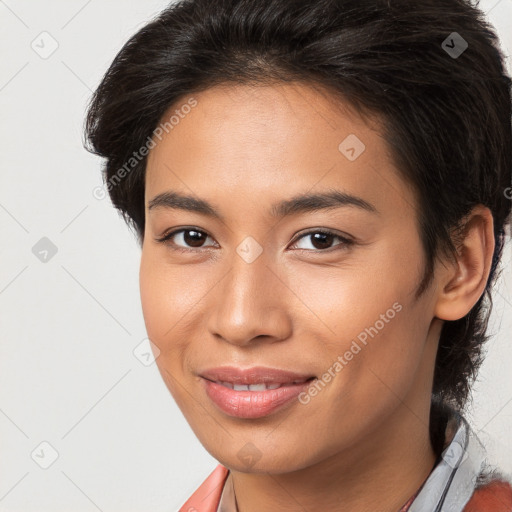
(371,475)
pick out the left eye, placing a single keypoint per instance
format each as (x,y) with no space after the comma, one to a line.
(323,240)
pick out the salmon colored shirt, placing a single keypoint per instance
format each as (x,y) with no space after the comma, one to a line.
(459,482)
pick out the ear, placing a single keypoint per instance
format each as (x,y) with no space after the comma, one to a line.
(462,282)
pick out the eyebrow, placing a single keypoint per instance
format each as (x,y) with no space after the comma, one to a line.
(298,204)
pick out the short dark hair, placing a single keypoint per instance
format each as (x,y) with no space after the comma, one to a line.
(446,117)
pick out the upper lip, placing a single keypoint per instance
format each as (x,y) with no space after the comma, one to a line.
(253,375)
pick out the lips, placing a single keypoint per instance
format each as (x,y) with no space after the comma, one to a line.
(256,378)
(253,392)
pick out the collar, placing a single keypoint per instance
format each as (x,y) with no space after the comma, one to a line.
(452,482)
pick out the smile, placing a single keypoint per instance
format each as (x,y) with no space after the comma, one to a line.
(263,386)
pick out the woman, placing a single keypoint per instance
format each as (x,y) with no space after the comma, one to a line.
(320,190)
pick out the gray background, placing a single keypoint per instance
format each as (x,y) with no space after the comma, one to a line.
(69,325)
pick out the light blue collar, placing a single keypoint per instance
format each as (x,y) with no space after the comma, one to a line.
(452,482)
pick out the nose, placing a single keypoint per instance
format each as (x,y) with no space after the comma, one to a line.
(251,302)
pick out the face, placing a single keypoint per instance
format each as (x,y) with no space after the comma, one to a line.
(251,275)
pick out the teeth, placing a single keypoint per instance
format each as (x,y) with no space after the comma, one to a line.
(250,387)
(268,386)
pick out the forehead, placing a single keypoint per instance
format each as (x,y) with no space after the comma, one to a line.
(294,100)
(271,140)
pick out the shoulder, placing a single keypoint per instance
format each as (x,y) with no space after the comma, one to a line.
(494,495)
(207,496)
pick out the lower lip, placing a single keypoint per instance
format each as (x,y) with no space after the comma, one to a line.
(252,404)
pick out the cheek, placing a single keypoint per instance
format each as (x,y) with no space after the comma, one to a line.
(372,378)
(171,299)
(366,314)
(168,295)
(159,315)
(341,302)
(151,293)
(160,307)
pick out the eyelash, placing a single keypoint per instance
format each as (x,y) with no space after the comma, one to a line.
(346,242)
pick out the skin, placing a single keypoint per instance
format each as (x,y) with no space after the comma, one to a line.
(362,443)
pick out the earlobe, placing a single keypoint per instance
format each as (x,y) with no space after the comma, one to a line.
(463,281)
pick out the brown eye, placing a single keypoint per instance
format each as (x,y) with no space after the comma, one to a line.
(323,240)
(184,239)
(193,238)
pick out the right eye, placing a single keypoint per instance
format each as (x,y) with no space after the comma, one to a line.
(185,239)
